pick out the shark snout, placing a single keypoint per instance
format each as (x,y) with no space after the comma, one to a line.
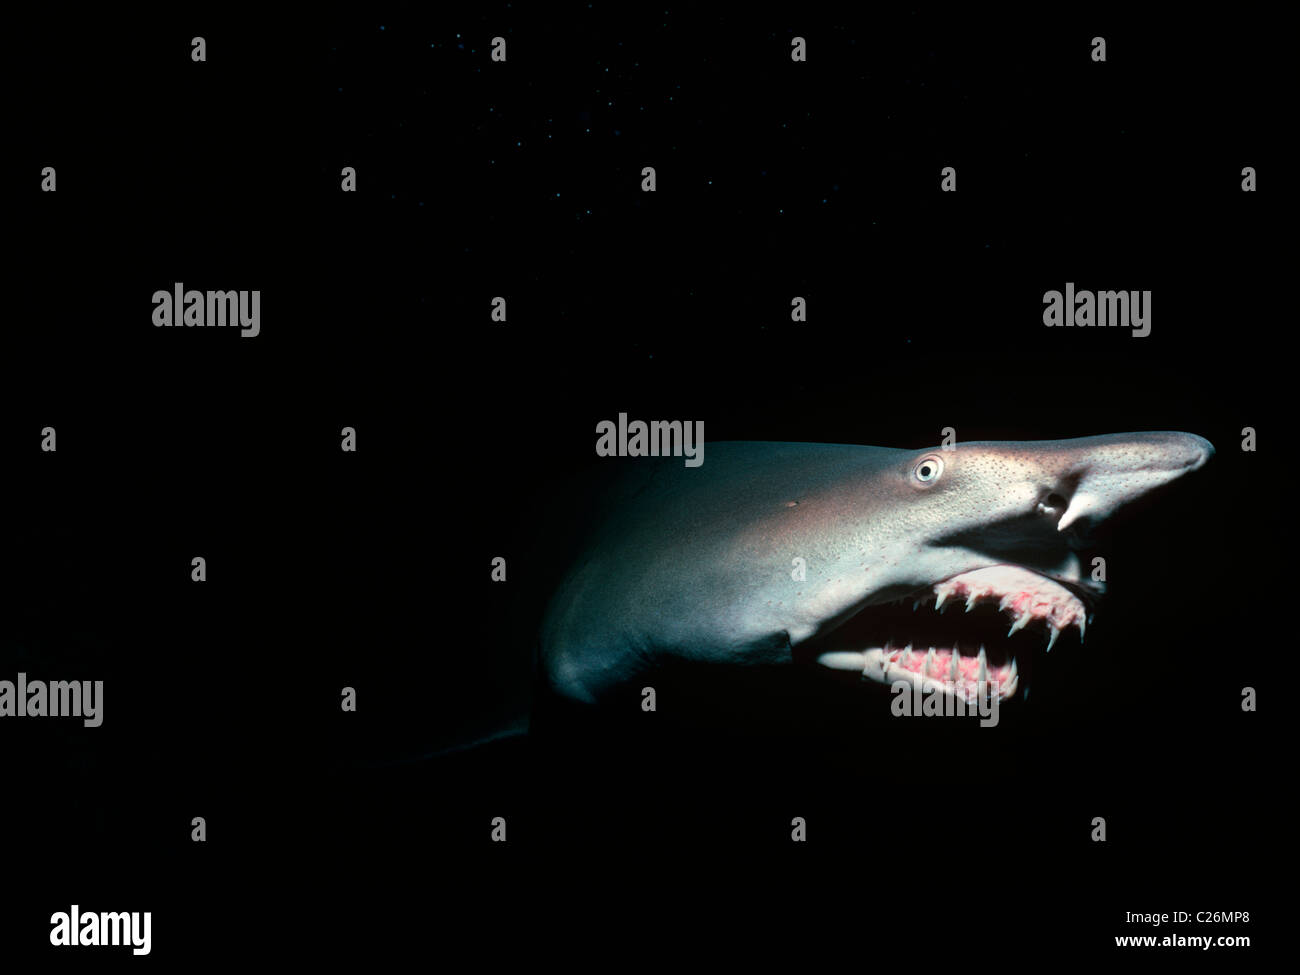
(1169,451)
(1107,472)
(1198,448)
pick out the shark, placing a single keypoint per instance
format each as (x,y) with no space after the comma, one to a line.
(937,566)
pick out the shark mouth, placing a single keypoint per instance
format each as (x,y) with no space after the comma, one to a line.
(965,636)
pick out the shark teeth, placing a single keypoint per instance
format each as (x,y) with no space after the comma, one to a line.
(1012,682)
(1022,594)
(1026,597)
(931,670)
(1021,623)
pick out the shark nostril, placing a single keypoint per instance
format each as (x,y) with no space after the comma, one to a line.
(1053,506)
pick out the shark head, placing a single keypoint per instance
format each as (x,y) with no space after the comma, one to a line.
(980,556)
(929,565)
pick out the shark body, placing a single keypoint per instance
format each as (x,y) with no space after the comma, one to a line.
(776,552)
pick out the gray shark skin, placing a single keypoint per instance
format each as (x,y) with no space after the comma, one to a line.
(701,564)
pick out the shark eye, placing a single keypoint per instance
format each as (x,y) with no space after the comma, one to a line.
(928,469)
